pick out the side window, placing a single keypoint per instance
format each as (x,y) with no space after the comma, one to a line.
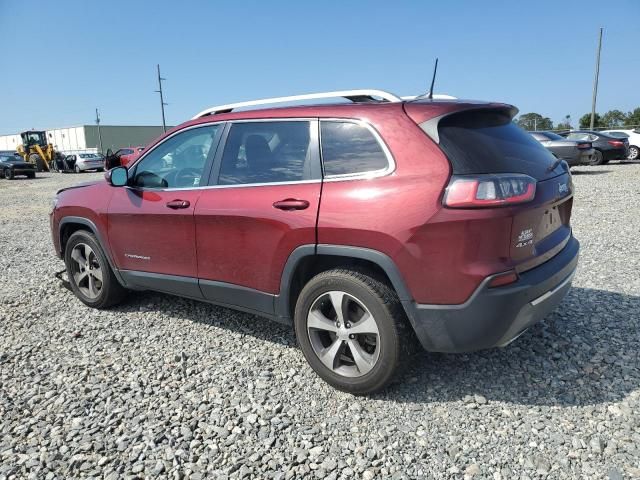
(349,148)
(177,162)
(267,152)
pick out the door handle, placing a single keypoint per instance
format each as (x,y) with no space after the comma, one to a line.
(291,204)
(175,204)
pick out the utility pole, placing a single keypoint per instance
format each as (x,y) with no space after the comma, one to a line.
(162,104)
(99,133)
(595,83)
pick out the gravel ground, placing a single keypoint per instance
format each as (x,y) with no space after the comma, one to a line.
(167,387)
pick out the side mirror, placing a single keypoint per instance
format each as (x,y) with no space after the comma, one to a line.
(117,176)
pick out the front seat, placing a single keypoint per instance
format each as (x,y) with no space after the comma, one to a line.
(259,157)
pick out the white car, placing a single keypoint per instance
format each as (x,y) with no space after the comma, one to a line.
(634,140)
(86,161)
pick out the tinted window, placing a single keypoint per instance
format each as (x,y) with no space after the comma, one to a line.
(266,152)
(349,148)
(489,142)
(618,134)
(179,161)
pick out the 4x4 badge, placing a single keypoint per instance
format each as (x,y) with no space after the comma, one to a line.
(525,238)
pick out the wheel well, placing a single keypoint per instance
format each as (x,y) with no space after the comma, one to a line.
(312,265)
(69,229)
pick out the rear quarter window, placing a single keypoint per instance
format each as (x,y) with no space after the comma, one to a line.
(350,148)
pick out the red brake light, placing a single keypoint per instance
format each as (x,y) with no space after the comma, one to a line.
(584,146)
(616,143)
(489,190)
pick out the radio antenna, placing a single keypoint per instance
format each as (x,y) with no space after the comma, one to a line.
(433,80)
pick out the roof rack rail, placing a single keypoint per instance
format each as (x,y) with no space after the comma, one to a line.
(435,96)
(366,95)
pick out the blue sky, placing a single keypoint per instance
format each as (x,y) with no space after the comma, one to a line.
(85,54)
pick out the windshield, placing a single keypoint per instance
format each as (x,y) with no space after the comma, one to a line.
(553,136)
(617,134)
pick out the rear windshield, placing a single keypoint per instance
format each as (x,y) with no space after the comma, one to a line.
(489,142)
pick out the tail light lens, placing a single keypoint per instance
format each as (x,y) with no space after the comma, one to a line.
(584,146)
(492,190)
(616,143)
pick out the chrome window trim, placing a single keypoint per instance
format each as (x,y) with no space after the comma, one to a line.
(382,172)
(389,169)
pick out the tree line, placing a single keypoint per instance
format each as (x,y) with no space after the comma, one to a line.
(610,119)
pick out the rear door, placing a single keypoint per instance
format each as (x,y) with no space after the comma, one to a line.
(262,205)
(151,224)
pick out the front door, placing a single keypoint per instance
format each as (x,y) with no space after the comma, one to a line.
(151,224)
(264,204)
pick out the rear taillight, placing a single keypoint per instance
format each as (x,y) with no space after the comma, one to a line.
(616,143)
(491,190)
(584,146)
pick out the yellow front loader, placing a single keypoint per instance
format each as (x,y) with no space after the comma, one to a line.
(36,150)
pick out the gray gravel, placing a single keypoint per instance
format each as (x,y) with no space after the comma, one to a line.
(171,388)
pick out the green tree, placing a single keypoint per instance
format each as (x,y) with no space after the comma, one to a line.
(585,121)
(614,118)
(534,121)
(633,118)
(563,126)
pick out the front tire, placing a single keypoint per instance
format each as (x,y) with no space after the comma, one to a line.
(8,174)
(349,327)
(77,169)
(634,153)
(89,273)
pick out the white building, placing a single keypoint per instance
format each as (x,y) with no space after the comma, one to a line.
(86,138)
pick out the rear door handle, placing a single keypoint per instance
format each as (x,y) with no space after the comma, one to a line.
(176,204)
(291,204)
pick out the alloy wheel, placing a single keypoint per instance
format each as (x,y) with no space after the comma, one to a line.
(343,334)
(633,153)
(86,270)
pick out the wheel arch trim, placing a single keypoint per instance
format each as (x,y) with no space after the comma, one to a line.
(382,260)
(72,220)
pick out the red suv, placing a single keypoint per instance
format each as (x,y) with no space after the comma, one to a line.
(363,225)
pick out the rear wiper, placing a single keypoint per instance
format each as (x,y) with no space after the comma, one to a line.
(555,164)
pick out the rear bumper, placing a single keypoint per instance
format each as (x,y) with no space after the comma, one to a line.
(615,154)
(495,316)
(582,157)
(90,166)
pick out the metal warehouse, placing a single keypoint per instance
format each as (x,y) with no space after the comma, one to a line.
(89,138)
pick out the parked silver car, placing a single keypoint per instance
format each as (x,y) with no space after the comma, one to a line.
(86,161)
(573,152)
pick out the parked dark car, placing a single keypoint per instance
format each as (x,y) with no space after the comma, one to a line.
(607,147)
(573,152)
(13,165)
(362,226)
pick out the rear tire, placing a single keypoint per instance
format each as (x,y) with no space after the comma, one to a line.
(77,169)
(598,158)
(89,273)
(362,362)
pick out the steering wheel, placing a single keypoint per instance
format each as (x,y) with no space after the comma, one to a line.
(185,177)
